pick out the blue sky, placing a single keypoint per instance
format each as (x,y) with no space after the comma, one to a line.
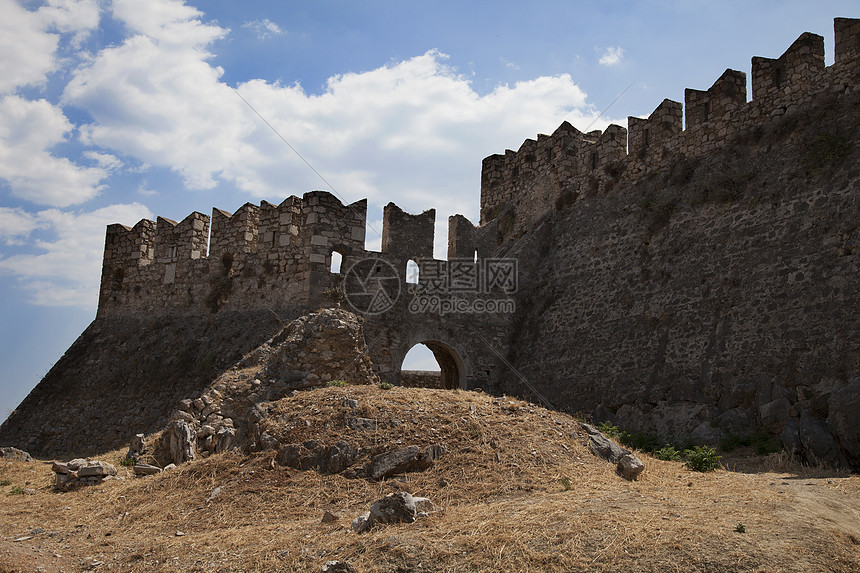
(115,110)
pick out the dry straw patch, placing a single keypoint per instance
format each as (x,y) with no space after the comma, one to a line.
(501,503)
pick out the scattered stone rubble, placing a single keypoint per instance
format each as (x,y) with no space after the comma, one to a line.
(313,454)
(309,352)
(399,507)
(8,453)
(81,472)
(338,567)
(627,465)
(341,455)
(403,460)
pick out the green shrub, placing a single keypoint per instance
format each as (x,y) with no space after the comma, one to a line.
(609,430)
(734,441)
(760,440)
(335,383)
(639,441)
(702,459)
(565,482)
(16,490)
(765,444)
(741,528)
(668,453)
(5,482)
(127,462)
(386,385)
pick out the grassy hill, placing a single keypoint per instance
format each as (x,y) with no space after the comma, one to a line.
(516,490)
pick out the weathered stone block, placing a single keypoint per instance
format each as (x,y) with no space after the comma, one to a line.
(775,414)
(843,420)
(629,466)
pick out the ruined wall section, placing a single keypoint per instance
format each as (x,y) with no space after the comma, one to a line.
(520,187)
(722,315)
(331,226)
(262,256)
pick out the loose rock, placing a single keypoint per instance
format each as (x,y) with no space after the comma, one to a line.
(630,467)
(362,523)
(403,460)
(81,472)
(602,446)
(329,517)
(15,454)
(182,441)
(338,567)
(399,508)
(146,469)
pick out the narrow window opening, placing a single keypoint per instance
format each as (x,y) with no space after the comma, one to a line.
(336,261)
(777,78)
(646,138)
(412,272)
(594,160)
(706,111)
(171,252)
(476,255)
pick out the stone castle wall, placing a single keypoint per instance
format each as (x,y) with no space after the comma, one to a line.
(260,257)
(709,293)
(692,275)
(521,186)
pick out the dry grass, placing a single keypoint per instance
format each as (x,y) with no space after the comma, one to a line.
(501,503)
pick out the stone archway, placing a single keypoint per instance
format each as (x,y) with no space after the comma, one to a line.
(452,369)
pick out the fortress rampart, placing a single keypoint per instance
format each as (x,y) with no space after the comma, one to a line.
(523,185)
(693,275)
(279,256)
(260,256)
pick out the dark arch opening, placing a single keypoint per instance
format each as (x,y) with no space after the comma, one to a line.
(451,372)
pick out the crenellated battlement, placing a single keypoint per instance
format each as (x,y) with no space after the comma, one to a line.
(847,40)
(238,231)
(795,70)
(647,138)
(261,256)
(406,236)
(522,185)
(697,279)
(280,255)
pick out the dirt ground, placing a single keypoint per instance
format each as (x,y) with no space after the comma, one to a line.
(517,490)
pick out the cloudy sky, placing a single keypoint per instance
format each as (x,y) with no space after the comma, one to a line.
(116,110)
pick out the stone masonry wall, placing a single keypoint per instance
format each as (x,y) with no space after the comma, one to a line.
(520,187)
(692,275)
(719,297)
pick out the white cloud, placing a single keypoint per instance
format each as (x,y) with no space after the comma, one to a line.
(67,270)
(611,56)
(168,22)
(28,130)
(509,65)
(414,131)
(264,28)
(78,17)
(16,224)
(145,191)
(106,161)
(166,106)
(28,44)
